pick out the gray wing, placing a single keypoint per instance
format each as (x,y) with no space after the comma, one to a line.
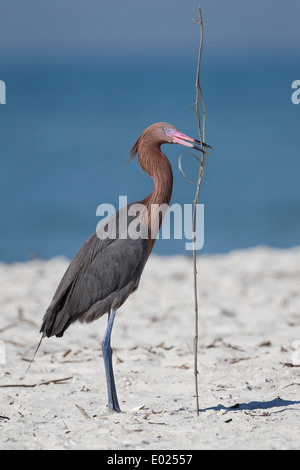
(101,277)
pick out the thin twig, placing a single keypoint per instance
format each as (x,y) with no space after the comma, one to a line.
(83,412)
(54,381)
(180,165)
(202,137)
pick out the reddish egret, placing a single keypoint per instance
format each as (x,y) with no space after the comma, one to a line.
(106,270)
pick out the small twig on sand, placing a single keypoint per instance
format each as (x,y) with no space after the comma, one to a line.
(83,412)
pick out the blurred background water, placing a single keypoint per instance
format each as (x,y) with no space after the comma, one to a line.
(70,121)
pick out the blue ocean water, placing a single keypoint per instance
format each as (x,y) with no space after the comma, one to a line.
(67,128)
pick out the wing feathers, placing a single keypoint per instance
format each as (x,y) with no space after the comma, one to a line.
(101,276)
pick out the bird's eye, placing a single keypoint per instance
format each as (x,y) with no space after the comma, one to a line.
(167,130)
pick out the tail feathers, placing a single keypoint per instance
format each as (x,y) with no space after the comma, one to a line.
(55,322)
(37,348)
(50,327)
(56,319)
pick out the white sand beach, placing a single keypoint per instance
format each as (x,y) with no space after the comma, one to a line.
(249,359)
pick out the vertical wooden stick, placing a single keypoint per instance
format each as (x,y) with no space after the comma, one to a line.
(202,137)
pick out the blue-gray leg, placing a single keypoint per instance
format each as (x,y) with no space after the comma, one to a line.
(107,356)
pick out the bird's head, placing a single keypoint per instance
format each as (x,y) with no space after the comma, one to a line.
(171,135)
(164,133)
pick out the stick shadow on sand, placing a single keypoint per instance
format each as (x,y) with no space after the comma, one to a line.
(256,405)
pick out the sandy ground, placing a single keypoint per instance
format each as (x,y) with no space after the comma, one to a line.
(249,357)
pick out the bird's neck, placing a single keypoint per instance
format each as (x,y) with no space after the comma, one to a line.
(158,167)
(160,170)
